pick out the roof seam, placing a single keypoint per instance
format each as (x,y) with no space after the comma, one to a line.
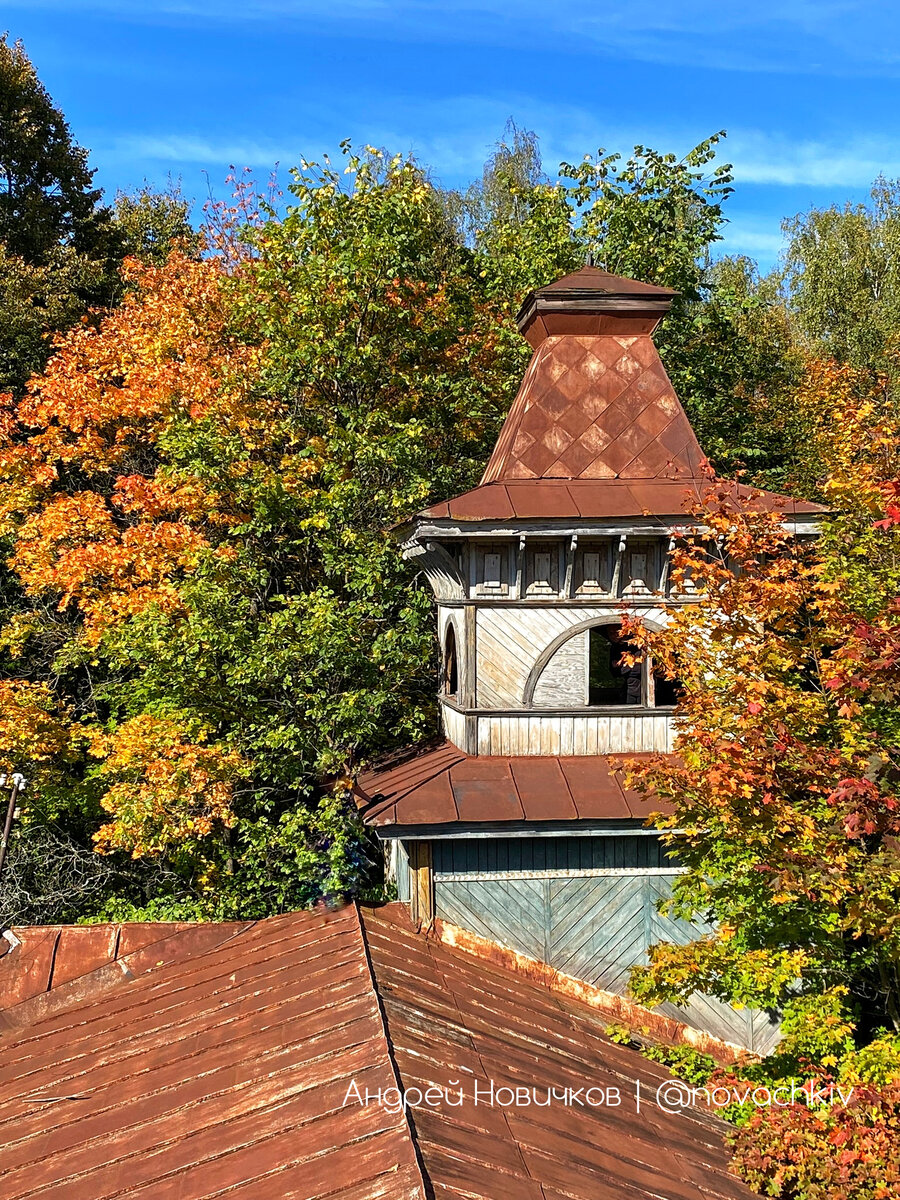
(427,1189)
(449,993)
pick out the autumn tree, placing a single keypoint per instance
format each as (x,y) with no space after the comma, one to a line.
(784,788)
(47,196)
(150,223)
(60,246)
(199,490)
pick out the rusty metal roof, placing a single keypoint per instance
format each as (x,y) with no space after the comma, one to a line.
(441,785)
(596,429)
(454,1017)
(224,1070)
(209,1072)
(585,499)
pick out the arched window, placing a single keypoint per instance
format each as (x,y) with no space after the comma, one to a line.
(585,668)
(610,680)
(451,673)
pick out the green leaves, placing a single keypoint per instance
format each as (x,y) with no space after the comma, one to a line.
(842,275)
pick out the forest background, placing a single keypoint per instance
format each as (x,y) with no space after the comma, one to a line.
(206,627)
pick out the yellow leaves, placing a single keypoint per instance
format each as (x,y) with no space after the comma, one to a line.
(34,728)
(853,432)
(168,787)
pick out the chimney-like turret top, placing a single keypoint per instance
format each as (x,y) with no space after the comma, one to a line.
(592,301)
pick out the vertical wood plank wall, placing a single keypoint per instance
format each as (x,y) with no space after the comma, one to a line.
(421,883)
(559,733)
(575,733)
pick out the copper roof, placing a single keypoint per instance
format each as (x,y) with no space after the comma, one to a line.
(225,1073)
(442,785)
(592,301)
(596,408)
(592,500)
(596,411)
(596,279)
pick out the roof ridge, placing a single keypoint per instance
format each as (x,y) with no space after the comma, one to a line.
(392,1060)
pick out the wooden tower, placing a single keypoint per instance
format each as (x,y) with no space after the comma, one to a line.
(517,827)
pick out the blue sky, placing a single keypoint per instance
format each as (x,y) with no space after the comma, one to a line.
(807,91)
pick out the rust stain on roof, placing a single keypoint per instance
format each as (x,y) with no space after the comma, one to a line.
(442,784)
(649,1025)
(226,1072)
(452,1017)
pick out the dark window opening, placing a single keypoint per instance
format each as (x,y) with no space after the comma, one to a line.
(611,681)
(451,680)
(667,692)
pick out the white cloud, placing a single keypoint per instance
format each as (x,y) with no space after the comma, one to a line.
(463,129)
(799,36)
(772,159)
(179,148)
(756,240)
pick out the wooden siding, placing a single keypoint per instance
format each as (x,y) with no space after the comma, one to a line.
(585,906)
(454,726)
(536,857)
(575,733)
(421,883)
(511,637)
(564,680)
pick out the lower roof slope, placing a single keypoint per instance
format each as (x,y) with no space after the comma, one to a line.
(216,1074)
(439,785)
(225,1073)
(579,500)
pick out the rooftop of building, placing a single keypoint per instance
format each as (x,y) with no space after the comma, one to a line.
(596,429)
(199,1062)
(442,785)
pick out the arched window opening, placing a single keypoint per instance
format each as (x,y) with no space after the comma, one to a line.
(451,673)
(610,680)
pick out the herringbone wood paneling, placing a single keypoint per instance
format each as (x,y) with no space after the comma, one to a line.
(594,927)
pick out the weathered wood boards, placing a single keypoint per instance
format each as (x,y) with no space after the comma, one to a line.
(587,906)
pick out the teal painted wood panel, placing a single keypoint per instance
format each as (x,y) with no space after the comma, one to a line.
(593,926)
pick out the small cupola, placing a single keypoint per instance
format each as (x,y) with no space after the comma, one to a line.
(592,301)
(595,402)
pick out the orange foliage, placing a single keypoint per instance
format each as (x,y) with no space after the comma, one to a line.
(100,521)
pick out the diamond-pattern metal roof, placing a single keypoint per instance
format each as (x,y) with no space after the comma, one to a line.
(596,407)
